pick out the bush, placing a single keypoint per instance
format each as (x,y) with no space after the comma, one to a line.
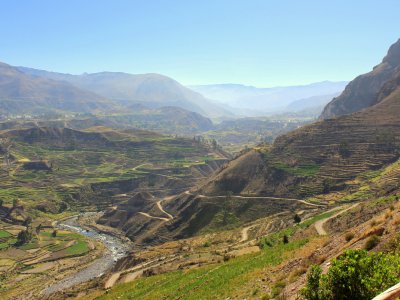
(349,236)
(355,275)
(297,218)
(371,242)
(311,290)
(24,237)
(285,239)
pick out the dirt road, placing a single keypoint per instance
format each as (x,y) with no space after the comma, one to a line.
(319,225)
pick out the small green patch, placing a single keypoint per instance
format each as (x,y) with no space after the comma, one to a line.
(4,234)
(79,248)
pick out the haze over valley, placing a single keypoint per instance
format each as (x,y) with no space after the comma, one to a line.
(231,151)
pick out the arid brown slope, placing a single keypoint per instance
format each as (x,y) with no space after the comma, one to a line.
(317,158)
(321,157)
(363,91)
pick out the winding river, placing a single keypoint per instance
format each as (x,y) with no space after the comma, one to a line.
(115,249)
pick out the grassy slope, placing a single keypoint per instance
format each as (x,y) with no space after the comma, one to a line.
(213,282)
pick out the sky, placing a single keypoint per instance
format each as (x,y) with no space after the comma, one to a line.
(263,43)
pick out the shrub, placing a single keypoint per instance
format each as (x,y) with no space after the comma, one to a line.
(297,218)
(285,239)
(355,275)
(311,290)
(24,237)
(349,236)
(372,242)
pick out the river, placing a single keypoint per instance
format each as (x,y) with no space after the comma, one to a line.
(115,249)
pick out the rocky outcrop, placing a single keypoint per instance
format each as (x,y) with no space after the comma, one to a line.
(364,90)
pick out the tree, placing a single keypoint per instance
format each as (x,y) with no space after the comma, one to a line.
(285,239)
(38,228)
(297,218)
(24,237)
(63,207)
(28,221)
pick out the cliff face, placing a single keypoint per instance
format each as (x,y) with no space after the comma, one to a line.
(363,91)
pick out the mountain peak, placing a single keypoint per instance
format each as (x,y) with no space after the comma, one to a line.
(393,55)
(364,90)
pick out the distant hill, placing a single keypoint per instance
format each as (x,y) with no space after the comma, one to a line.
(22,93)
(249,100)
(151,90)
(170,120)
(363,91)
(316,103)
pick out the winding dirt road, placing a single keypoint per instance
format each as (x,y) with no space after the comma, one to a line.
(319,225)
(162,209)
(168,218)
(256,197)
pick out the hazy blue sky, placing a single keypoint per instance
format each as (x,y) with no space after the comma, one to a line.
(255,42)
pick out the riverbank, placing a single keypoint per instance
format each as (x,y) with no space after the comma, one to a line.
(115,248)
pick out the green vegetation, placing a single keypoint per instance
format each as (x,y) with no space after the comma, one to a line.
(356,275)
(4,234)
(318,217)
(79,248)
(219,281)
(372,242)
(24,237)
(303,169)
(82,158)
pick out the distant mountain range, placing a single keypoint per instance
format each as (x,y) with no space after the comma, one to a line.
(250,100)
(24,93)
(151,90)
(31,91)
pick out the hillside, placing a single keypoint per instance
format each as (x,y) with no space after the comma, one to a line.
(320,157)
(308,163)
(168,120)
(21,93)
(151,90)
(363,91)
(255,262)
(96,161)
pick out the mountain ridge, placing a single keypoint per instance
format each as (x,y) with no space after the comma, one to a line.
(151,89)
(362,92)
